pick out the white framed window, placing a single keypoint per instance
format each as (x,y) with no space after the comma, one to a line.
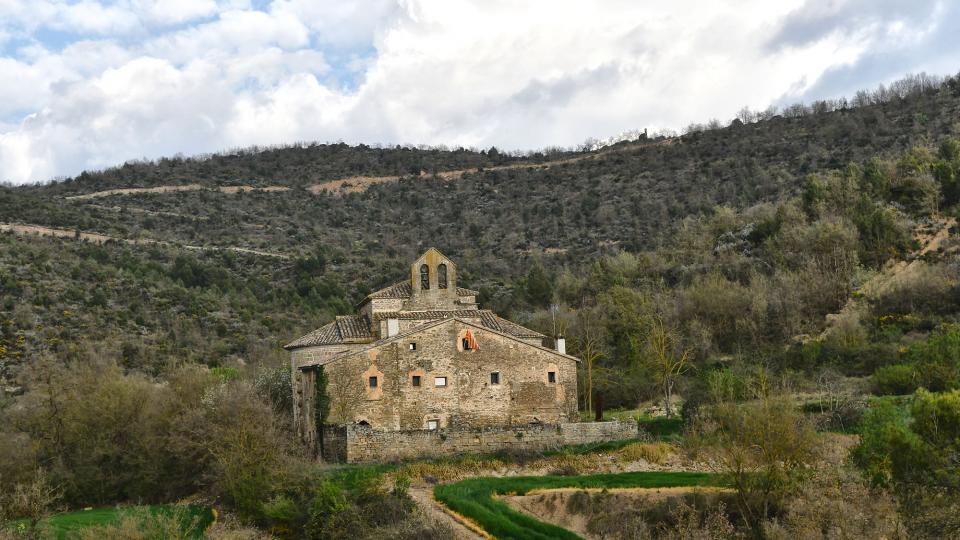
(412,346)
(440,382)
(433,424)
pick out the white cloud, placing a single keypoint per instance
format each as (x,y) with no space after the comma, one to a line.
(139,81)
(344,24)
(167,12)
(85,16)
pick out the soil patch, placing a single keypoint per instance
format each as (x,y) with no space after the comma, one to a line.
(553,505)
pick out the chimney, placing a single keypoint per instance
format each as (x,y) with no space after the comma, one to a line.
(560,345)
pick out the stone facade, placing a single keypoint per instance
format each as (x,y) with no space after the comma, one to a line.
(364,444)
(421,356)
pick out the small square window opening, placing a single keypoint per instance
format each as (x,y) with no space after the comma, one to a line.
(373,382)
(495,378)
(551,377)
(433,424)
(415,380)
(413,346)
(440,381)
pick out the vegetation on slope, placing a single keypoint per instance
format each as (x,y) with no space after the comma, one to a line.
(474,498)
(174,521)
(812,253)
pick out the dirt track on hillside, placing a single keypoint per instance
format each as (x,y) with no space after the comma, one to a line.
(173,189)
(38,230)
(354,184)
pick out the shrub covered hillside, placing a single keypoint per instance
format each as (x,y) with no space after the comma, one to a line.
(813,252)
(570,206)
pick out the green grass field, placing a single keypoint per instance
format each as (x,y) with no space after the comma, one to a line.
(61,526)
(473,498)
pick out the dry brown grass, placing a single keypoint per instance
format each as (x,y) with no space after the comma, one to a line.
(656,452)
(446,471)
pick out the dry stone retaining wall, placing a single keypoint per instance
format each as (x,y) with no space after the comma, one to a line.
(362,444)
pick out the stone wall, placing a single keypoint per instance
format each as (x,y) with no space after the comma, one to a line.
(523,394)
(334,447)
(363,444)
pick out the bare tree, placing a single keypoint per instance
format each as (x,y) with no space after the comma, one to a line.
(767,113)
(668,360)
(590,348)
(345,388)
(32,500)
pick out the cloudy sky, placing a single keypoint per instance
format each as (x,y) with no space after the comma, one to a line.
(90,84)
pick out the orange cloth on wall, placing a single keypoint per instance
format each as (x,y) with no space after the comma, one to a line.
(472,341)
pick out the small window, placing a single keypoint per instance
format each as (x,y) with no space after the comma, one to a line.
(413,346)
(424,277)
(551,377)
(466,344)
(415,380)
(373,382)
(440,381)
(433,424)
(495,377)
(442,276)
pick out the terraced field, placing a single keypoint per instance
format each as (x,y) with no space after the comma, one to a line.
(476,498)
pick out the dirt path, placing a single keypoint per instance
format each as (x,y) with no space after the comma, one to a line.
(423,496)
(173,189)
(23,229)
(354,184)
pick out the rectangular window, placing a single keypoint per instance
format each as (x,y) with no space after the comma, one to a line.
(415,380)
(433,424)
(440,381)
(495,377)
(373,382)
(413,346)
(551,377)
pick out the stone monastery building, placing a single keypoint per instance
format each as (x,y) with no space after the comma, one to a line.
(421,355)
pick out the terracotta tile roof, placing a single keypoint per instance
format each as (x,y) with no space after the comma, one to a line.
(403,290)
(512,328)
(487,318)
(427,314)
(421,328)
(346,329)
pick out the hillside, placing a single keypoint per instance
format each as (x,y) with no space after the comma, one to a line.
(259,265)
(493,208)
(773,282)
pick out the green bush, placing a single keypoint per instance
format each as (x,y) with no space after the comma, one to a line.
(913,448)
(933,364)
(661,426)
(225,374)
(898,379)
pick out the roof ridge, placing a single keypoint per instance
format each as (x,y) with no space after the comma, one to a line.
(431,324)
